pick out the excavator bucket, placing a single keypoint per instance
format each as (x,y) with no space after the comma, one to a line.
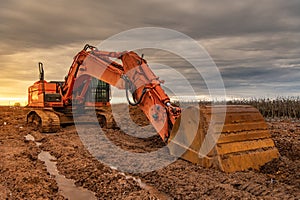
(231,138)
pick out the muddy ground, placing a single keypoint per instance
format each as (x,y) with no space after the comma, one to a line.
(24,176)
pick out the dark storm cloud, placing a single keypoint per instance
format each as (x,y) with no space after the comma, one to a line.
(259,65)
(44,23)
(229,17)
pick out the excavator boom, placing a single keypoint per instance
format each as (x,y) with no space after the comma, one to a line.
(137,79)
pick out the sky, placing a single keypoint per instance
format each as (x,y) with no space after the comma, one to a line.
(255,44)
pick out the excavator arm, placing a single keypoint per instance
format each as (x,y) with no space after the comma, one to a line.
(134,75)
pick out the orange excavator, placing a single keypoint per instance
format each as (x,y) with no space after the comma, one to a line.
(243,140)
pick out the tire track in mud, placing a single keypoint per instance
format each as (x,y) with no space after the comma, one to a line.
(203,183)
(269,190)
(260,190)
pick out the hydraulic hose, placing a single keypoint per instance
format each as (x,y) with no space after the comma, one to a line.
(128,86)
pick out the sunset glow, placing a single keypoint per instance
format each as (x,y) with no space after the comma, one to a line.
(10,101)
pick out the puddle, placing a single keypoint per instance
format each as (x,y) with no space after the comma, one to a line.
(67,187)
(152,190)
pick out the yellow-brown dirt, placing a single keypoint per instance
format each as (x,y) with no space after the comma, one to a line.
(23,176)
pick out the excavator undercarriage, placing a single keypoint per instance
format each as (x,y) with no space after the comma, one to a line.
(51,121)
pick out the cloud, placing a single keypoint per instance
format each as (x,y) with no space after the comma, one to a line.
(255,63)
(254,43)
(46,23)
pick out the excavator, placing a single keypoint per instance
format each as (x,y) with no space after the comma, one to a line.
(243,142)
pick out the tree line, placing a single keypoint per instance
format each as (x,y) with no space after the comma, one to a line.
(274,108)
(280,107)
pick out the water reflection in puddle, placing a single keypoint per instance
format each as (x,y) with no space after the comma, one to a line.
(66,186)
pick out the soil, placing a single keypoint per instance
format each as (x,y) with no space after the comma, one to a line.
(24,176)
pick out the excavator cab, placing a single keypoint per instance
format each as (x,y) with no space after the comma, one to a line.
(99,92)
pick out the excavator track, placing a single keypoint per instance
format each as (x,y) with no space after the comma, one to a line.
(46,121)
(49,121)
(241,139)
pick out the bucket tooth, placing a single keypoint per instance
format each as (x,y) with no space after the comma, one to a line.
(230,138)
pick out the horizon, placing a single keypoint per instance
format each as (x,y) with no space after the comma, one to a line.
(122,100)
